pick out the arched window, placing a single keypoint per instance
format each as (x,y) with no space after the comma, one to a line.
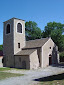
(8,29)
(19,28)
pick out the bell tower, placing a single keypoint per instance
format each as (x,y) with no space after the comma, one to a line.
(19,34)
(13,39)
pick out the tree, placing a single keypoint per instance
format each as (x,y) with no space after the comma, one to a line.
(32,31)
(55,31)
(58,38)
(1,47)
(52,26)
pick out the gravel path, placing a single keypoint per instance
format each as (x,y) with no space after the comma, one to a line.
(30,75)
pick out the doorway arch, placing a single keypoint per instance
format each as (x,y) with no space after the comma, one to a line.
(50,59)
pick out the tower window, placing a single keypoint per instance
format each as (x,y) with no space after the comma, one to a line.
(18,45)
(19,28)
(8,29)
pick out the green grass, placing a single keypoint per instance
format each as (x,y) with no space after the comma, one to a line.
(55,82)
(52,80)
(6,68)
(4,75)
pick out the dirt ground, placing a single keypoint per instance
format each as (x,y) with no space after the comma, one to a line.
(31,75)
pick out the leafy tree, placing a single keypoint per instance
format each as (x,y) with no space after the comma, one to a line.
(32,31)
(1,47)
(55,31)
(58,38)
(52,26)
(61,54)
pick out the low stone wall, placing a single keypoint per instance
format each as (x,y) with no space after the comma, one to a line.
(1,64)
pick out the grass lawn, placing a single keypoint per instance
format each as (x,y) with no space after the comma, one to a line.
(4,75)
(52,80)
(55,82)
(6,68)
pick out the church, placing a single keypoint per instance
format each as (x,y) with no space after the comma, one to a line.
(32,54)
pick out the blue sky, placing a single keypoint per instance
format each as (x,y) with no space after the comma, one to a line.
(40,11)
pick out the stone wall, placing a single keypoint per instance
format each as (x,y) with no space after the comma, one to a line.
(19,37)
(1,64)
(34,61)
(20,59)
(8,49)
(49,49)
(11,40)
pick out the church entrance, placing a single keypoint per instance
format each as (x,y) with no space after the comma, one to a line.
(24,64)
(50,59)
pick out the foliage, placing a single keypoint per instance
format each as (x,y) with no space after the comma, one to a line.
(58,38)
(55,31)
(1,47)
(32,31)
(52,26)
(61,54)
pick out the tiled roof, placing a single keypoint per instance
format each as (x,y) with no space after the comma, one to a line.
(25,52)
(35,43)
(17,18)
(13,18)
(30,45)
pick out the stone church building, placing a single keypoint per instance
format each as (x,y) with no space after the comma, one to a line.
(19,53)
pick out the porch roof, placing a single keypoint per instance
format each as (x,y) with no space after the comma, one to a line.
(25,52)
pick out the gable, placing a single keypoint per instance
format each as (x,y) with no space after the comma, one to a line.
(49,42)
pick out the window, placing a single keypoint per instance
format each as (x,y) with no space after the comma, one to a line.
(50,47)
(8,29)
(50,55)
(18,45)
(19,28)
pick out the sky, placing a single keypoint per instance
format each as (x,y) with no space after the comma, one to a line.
(40,11)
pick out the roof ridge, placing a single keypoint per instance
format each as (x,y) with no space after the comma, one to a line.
(13,18)
(37,39)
